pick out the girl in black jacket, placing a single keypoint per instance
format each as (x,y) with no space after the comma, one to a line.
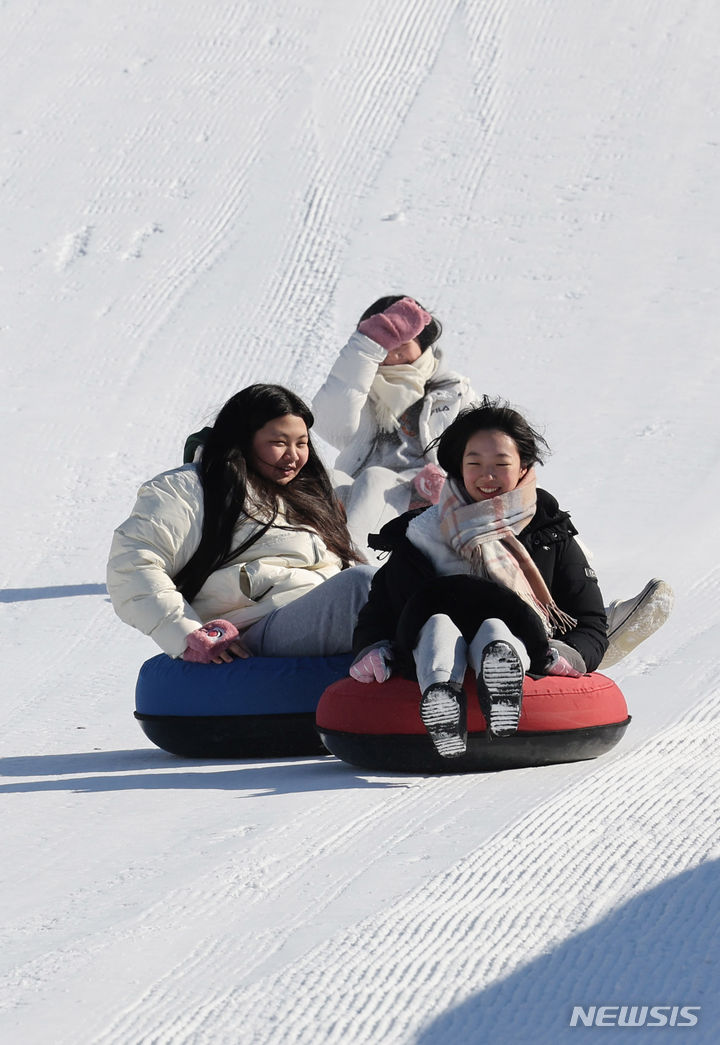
(490,577)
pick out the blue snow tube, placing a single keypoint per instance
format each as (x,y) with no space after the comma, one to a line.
(262,707)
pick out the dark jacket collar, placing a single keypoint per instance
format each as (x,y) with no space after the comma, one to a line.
(547,514)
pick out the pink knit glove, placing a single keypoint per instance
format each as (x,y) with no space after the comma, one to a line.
(560,666)
(429,483)
(372,666)
(209,641)
(397,325)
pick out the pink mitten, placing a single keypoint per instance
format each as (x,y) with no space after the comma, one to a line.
(207,642)
(429,483)
(372,666)
(397,325)
(560,666)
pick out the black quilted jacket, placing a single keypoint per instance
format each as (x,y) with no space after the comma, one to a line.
(549,537)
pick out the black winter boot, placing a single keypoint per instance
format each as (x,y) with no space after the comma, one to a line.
(443,709)
(500,688)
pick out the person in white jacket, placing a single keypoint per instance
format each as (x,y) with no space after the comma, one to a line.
(245,552)
(387,397)
(386,400)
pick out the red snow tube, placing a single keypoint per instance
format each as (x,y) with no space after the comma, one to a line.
(378,726)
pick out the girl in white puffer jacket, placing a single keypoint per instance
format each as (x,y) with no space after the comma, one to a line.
(226,557)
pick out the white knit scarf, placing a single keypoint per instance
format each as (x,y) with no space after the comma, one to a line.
(484,532)
(397,387)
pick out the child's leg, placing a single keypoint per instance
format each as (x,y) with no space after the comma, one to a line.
(634,620)
(491,631)
(342,484)
(440,662)
(440,653)
(375,497)
(500,660)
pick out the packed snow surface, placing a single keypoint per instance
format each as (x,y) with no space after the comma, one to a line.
(199,195)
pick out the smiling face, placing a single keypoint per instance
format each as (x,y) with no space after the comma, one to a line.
(280,449)
(491,464)
(408,352)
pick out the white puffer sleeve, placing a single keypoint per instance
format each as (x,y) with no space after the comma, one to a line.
(339,402)
(148,550)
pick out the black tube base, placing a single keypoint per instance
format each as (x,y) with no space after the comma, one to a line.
(393,753)
(234,736)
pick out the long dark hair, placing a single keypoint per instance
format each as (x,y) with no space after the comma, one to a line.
(225,468)
(488,414)
(427,336)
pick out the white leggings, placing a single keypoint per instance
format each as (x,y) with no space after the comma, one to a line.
(442,655)
(376,496)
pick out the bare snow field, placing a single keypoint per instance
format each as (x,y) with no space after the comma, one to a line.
(200,195)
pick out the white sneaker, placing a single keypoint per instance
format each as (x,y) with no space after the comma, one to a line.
(634,620)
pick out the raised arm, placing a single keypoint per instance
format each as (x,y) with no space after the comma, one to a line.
(339,402)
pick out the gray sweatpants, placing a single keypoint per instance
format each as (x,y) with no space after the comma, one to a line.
(318,624)
(442,655)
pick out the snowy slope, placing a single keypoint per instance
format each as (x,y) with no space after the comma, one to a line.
(200,195)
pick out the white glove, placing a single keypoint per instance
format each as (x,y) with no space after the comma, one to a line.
(372,666)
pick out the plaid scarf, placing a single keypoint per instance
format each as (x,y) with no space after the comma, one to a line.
(484,532)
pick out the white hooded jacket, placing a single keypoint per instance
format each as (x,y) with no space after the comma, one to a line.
(345,417)
(159,538)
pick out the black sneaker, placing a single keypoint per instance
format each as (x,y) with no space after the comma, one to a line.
(443,709)
(500,688)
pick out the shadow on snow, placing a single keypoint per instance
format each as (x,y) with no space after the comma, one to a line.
(55,591)
(661,948)
(139,770)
